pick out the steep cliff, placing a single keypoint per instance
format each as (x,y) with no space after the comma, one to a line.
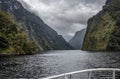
(103,31)
(13,40)
(77,40)
(45,37)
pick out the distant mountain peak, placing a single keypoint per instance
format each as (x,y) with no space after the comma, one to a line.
(77,39)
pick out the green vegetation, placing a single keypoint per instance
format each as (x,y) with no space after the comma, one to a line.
(13,40)
(103,32)
(43,35)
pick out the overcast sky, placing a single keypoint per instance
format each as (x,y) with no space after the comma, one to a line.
(65,16)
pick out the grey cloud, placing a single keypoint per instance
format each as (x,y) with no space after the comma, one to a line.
(64,16)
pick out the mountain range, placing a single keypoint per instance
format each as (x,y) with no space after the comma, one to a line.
(36,30)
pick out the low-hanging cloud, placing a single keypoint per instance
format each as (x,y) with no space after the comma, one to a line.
(64,16)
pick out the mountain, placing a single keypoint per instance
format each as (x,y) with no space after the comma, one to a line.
(103,31)
(44,36)
(13,40)
(77,40)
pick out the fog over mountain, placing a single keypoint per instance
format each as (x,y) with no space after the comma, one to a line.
(64,16)
(78,39)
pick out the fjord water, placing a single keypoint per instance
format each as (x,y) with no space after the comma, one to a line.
(55,62)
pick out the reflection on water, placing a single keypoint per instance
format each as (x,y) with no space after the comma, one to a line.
(55,62)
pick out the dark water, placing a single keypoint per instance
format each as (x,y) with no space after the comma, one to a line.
(55,62)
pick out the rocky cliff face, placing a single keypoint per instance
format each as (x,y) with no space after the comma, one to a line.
(103,31)
(45,37)
(77,40)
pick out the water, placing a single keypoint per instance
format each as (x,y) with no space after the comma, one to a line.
(55,62)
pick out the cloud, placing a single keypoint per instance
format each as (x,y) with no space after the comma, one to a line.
(64,16)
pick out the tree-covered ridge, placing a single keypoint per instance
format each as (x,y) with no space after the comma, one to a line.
(45,37)
(13,39)
(103,32)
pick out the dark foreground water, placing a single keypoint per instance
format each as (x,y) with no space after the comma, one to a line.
(55,62)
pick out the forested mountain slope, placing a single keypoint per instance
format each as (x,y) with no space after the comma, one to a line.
(103,31)
(44,36)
